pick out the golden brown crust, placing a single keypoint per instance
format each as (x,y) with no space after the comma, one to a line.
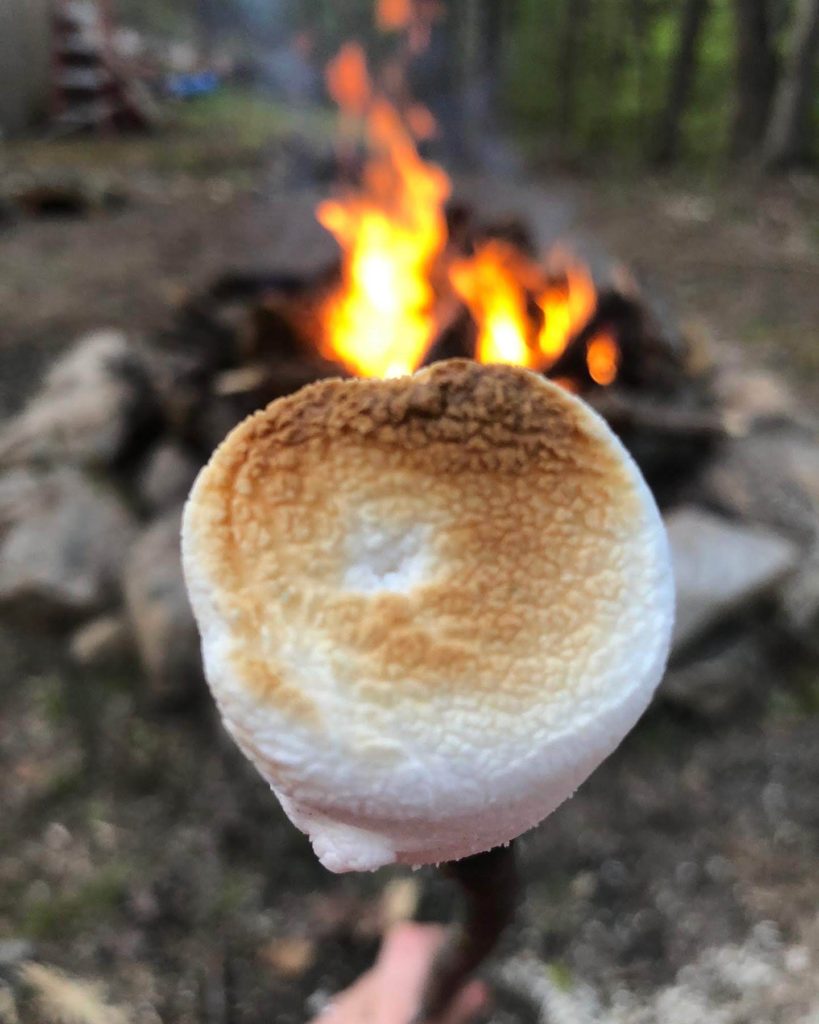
(522,500)
(466,415)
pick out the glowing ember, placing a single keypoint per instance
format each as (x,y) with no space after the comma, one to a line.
(603,358)
(489,283)
(381,322)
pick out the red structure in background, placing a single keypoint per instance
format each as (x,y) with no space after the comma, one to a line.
(89,91)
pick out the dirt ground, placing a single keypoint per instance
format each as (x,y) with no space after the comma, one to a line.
(139,850)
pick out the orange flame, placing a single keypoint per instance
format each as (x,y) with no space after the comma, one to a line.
(567,304)
(393,15)
(381,322)
(347,79)
(421,121)
(496,285)
(490,284)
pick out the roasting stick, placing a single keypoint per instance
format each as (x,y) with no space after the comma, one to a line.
(490,887)
(429,607)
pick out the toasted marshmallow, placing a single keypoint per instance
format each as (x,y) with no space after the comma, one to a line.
(429,606)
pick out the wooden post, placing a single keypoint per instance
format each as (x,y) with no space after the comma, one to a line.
(681,80)
(787,139)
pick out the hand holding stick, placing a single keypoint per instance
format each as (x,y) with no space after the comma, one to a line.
(390,991)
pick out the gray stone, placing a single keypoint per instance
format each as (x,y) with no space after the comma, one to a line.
(800,600)
(771,478)
(159,612)
(15,951)
(719,566)
(750,397)
(93,401)
(717,683)
(18,491)
(167,477)
(61,547)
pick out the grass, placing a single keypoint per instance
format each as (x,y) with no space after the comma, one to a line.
(560,976)
(59,916)
(230,130)
(235,894)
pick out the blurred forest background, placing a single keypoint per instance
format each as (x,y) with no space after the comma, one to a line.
(659,81)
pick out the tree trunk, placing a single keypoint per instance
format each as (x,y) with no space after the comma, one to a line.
(755,75)
(640,22)
(682,77)
(482,26)
(787,140)
(567,67)
(494,27)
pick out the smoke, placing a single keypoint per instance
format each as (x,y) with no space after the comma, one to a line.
(269,21)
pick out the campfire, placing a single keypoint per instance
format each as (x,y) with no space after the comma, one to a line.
(421,277)
(403,275)
(107,451)
(414,271)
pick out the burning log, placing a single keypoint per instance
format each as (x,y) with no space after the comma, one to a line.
(251,338)
(633,412)
(642,357)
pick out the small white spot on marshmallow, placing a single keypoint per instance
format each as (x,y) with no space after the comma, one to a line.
(386,557)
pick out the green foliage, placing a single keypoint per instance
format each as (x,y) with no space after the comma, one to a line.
(60,916)
(707,119)
(236,893)
(560,976)
(531,53)
(249,120)
(157,16)
(616,76)
(616,83)
(588,79)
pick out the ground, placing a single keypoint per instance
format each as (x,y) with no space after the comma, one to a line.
(140,850)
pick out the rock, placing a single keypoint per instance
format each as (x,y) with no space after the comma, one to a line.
(14,951)
(159,612)
(62,544)
(717,683)
(18,491)
(750,397)
(166,477)
(719,566)
(771,478)
(103,643)
(95,399)
(800,600)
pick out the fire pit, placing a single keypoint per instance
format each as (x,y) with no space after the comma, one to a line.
(421,277)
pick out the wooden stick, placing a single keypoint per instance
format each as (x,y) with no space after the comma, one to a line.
(489,882)
(628,410)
